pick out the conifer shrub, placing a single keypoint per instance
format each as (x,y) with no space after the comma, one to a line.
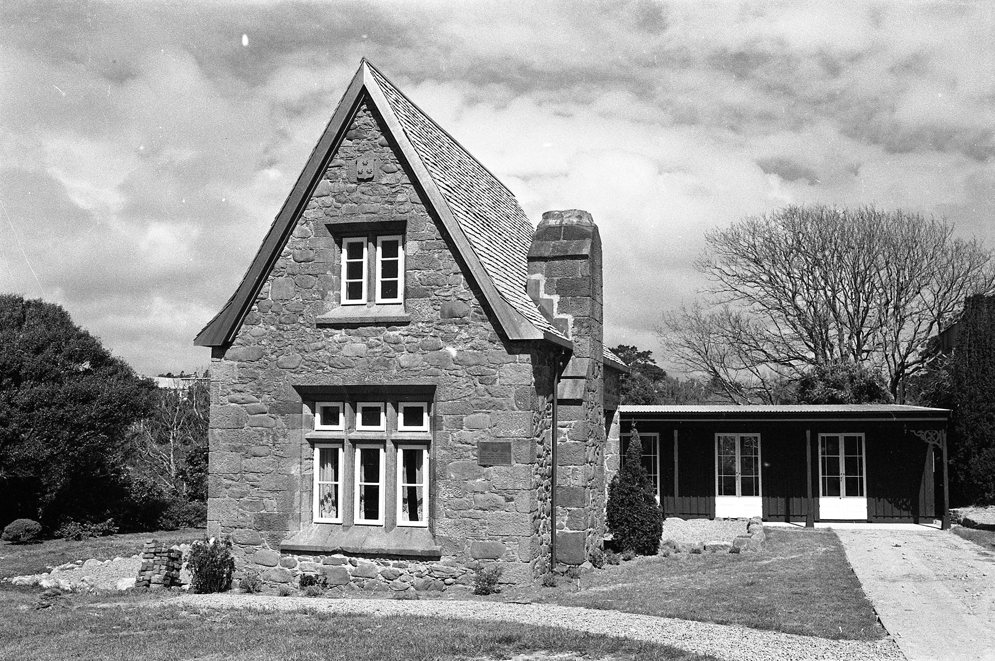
(211,565)
(486,579)
(634,517)
(22,531)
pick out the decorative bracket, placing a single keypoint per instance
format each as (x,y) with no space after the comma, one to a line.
(934,437)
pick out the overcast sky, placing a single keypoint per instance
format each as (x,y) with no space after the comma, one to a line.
(145,148)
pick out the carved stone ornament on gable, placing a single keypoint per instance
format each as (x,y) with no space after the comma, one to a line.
(366,166)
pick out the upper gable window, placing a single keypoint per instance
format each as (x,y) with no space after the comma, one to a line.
(372,269)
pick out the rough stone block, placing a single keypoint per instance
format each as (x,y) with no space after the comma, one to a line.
(487,550)
(281,289)
(477,421)
(718,547)
(489,501)
(571,454)
(570,547)
(266,558)
(277,575)
(365,570)
(228,417)
(454,310)
(335,574)
(571,497)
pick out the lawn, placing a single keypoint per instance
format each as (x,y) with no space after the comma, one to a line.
(21,559)
(802,584)
(81,626)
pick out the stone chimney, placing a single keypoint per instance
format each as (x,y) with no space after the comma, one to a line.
(565,281)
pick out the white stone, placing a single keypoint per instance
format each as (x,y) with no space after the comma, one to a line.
(125,584)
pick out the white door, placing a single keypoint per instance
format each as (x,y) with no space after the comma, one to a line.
(842,477)
(737,476)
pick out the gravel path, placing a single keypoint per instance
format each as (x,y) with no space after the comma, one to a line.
(934,591)
(725,642)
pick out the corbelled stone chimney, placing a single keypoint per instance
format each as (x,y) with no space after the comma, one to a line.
(565,280)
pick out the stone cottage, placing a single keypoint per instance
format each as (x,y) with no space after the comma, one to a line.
(410,379)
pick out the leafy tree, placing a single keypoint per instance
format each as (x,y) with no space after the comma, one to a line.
(809,286)
(634,517)
(965,382)
(838,383)
(66,406)
(648,383)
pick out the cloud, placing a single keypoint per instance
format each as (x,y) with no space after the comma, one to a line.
(145,150)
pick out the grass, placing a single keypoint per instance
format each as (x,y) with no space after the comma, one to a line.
(983,538)
(801,584)
(81,626)
(21,559)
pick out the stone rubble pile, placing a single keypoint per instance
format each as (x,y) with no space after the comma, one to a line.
(160,566)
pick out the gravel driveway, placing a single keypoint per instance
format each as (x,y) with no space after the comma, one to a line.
(726,642)
(934,592)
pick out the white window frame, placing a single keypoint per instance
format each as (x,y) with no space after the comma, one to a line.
(382,426)
(842,462)
(423,427)
(379,279)
(317,417)
(316,470)
(400,485)
(365,276)
(739,478)
(654,444)
(382,483)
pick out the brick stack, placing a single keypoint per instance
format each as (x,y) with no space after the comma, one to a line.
(160,566)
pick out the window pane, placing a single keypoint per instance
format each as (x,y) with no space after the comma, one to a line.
(727,465)
(369,502)
(328,504)
(412,416)
(830,486)
(412,501)
(751,445)
(749,466)
(369,416)
(413,470)
(388,270)
(727,445)
(852,466)
(854,486)
(750,486)
(354,271)
(727,485)
(328,467)
(830,445)
(329,416)
(389,249)
(354,250)
(369,465)
(388,289)
(852,445)
(354,291)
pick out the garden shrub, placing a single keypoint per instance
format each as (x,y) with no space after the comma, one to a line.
(485,580)
(78,531)
(634,517)
(284,591)
(211,565)
(21,531)
(251,583)
(313,590)
(597,558)
(628,554)
(612,558)
(549,580)
(309,580)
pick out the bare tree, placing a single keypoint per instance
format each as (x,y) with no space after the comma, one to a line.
(809,286)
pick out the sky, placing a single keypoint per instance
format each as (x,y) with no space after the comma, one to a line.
(145,148)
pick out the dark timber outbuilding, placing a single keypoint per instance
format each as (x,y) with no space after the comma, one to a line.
(880,463)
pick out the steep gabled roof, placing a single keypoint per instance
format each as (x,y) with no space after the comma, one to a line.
(482,217)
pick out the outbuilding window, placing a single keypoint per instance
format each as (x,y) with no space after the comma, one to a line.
(738,464)
(841,465)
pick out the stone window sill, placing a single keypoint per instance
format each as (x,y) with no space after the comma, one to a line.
(346,315)
(363,540)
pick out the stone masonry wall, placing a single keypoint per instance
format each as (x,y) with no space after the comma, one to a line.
(485,387)
(565,261)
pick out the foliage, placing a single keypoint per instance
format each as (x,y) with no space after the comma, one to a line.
(648,383)
(612,558)
(597,558)
(486,579)
(168,460)
(21,531)
(308,580)
(549,580)
(634,517)
(965,382)
(284,591)
(211,565)
(810,286)
(837,383)
(66,405)
(628,554)
(251,583)
(78,531)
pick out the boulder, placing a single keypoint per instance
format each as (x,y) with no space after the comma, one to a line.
(125,584)
(718,547)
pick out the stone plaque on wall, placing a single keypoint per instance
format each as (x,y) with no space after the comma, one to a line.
(366,166)
(494,453)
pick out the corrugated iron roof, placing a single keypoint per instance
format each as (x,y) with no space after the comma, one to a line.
(778,409)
